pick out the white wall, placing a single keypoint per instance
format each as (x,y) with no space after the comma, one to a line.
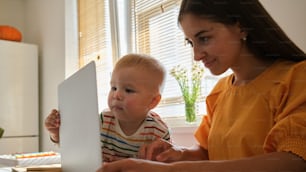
(11,13)
(291,16)
(45,26)
(42,22)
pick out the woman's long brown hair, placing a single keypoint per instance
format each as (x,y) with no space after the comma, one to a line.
(265,38)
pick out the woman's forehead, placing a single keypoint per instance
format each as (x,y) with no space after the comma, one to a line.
(193,25)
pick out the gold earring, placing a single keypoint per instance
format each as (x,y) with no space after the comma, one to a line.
(244,38)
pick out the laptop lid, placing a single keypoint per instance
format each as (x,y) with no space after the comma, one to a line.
(80,124)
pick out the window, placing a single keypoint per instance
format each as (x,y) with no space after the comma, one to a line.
(157,33)
(143,26)
(95,42)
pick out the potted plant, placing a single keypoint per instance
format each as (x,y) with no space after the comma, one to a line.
(190,85)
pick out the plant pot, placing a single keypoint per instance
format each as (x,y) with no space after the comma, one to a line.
(190,112)
(1,132)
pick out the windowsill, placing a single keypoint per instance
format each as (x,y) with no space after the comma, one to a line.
(179,124)
(182,133)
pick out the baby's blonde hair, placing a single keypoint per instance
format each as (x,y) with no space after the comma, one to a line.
(146,63)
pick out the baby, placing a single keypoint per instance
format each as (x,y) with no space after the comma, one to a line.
(129,123)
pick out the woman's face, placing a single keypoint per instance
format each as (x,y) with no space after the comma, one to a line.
(218,46)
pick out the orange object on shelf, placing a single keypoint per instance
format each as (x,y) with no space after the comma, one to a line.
(10,33)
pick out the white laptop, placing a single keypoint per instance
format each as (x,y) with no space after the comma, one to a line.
(80,145)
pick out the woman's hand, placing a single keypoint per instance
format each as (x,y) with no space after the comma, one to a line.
(276,161)
(134,165)
(161,150)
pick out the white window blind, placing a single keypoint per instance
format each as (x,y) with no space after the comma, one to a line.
(95,42)
(157,33)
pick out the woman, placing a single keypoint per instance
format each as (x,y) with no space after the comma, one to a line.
(256,117)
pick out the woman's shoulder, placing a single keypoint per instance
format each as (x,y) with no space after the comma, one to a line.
(300,66)
(283,78)
(287,65)
(286,71)
(294,76)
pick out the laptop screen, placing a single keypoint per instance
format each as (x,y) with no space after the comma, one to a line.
(80,145)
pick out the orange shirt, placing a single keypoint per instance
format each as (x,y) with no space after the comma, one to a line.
(266,115)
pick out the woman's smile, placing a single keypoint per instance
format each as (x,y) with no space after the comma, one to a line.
(209,63)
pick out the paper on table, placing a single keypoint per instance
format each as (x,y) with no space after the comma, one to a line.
(29,159)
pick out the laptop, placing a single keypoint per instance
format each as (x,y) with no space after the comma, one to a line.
(80,146)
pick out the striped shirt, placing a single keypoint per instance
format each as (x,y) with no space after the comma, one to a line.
(116,145)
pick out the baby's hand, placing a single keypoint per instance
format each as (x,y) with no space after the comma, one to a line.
(52,124)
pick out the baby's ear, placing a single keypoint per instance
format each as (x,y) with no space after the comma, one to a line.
(155,100)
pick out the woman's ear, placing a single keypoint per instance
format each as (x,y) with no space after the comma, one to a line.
(244,35)
(155,100)
(243,31)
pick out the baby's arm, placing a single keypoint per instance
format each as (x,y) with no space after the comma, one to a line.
(52,124)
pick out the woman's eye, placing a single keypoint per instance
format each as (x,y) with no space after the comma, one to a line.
(188,42)
(203,39)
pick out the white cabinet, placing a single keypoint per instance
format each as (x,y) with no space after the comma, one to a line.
(19,97)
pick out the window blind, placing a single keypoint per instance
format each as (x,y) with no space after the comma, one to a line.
(95,42)
(157,33)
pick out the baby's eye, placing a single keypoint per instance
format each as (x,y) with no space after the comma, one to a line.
(113,88)
(128,90)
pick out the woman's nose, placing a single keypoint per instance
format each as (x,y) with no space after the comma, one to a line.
(199,53)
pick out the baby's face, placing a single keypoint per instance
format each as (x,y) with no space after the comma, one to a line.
(131,95)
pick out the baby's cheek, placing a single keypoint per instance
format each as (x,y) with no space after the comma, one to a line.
(130,103)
